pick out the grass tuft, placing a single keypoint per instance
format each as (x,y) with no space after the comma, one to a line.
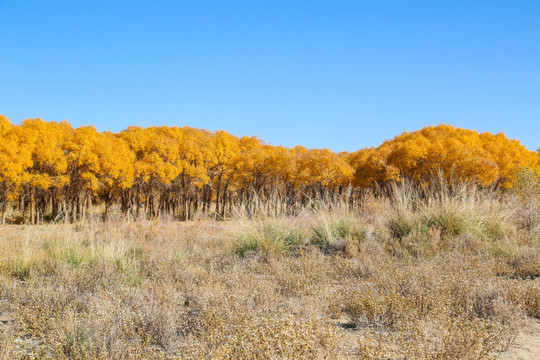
(273,236)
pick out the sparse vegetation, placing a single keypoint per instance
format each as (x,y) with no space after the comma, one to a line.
(433,272)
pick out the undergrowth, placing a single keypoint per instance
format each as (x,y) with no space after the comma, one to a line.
(419,273)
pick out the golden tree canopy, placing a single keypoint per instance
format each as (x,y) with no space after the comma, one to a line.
(458,154)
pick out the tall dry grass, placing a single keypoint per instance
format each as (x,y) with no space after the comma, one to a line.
(444,272)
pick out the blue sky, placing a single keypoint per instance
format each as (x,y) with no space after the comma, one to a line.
(338,74)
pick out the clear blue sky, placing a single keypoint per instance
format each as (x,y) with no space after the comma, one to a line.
(342,74)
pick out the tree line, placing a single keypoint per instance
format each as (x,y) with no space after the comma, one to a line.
(50,170)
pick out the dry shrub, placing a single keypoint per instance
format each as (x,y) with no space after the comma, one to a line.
(435,338)
(454,338)
(378,310)
(526,295)
(527,193)
(264,336)
(515,261)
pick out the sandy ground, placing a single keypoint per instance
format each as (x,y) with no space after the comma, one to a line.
(526,345)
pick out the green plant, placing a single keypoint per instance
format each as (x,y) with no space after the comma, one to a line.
(330,230)
(73,256)
(270,236)
(21,269)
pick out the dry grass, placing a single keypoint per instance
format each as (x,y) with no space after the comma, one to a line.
(444,274)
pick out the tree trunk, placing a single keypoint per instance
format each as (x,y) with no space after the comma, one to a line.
(54,205)
(4,213)
(32,205)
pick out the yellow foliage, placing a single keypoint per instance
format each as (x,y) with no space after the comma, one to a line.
(459,154)
(183,167)
(45,141)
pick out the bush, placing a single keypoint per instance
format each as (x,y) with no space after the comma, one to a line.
(264,337)
(428,220)
(378,310)
(274,236)
(332,232)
